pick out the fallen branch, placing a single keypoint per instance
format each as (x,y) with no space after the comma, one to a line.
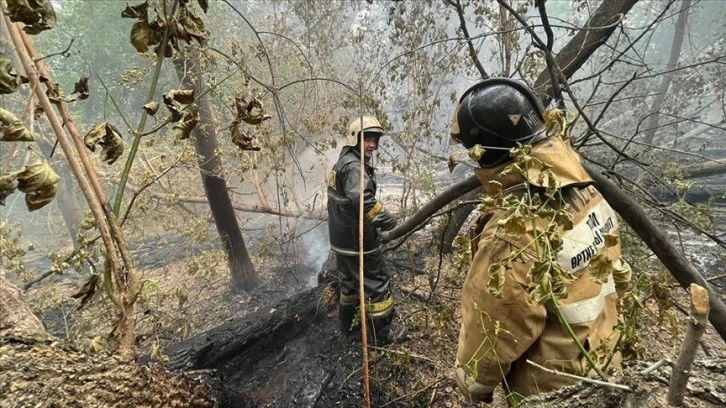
(696,326)
(681,269)
(578,378)
(447,196)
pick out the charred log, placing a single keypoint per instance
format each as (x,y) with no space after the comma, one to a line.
(249,339)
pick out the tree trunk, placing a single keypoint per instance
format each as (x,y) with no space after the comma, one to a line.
(244,276)
(579,49)
(699,170)
(678,34)
(16,318)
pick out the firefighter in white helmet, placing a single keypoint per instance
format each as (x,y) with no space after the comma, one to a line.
(343,215)
(503,328)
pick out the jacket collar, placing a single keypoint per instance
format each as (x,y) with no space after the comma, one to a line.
(556,154)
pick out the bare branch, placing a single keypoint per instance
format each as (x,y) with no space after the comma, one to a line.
(462,25)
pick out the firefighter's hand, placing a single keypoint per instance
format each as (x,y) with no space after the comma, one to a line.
(385,221)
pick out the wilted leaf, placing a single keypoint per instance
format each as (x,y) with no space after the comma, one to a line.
(9,79)
(8,184)
(81,89)
(460,242)
(13,129)
(600,267)
(241,140)
(176,100)
(183,129)
(611,240)
(495,187)
(564,219)
(476,152)
(540,281)
(143,36)
(189,27)
(250,110)
(40,199)
(38,15)
(38,182)
(87,291)
(139,11)
(151,108)
(554,117)
(497,275)
(451,163)
(106,135)
(54,92)
(98,345)
(182,96)
(621,277)
(514,224)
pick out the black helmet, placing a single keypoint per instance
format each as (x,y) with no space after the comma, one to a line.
(497,114)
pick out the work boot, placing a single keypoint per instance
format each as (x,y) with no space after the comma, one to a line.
(385,331)
(347,314)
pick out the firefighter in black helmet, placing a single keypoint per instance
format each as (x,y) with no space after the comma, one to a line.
(504,326)
(343,214)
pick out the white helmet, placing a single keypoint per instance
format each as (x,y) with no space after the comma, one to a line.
(369,124)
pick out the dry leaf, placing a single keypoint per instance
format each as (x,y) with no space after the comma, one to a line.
(600,267)
(87,291)
(13,129)
(497,276)
(54,92)
(611,240)
(175,102)
(8,184)
(38,15)
(106,135)
(9,79)
(476,152)
(183,129)
(38,182)
(143,36)
(250,110)
(139,11)
(151,108)
(241,140)
(81,89)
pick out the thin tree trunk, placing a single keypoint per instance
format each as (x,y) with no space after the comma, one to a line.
(678,34)
(244,276)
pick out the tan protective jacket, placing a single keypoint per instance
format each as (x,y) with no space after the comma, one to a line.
(498,335)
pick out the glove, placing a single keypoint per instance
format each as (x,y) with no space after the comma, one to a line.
(385,221)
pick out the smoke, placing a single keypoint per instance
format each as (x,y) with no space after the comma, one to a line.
(314,247)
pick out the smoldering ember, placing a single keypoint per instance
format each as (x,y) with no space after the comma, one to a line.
(369,203)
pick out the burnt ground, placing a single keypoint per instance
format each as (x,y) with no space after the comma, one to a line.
(318,367)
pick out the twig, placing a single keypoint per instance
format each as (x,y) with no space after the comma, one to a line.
(654,366)
(584,379)
(403,353)
(472,52)
(63,53)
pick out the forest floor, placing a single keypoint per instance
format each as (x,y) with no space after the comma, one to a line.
(322,368)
